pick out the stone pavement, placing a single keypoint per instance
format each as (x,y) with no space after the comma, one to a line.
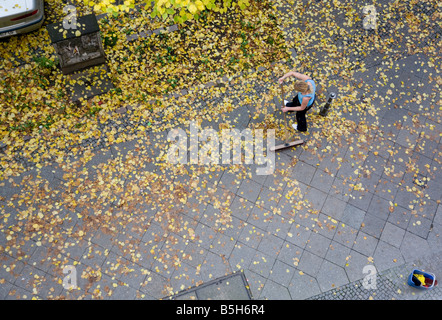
(390,284)
(358,203)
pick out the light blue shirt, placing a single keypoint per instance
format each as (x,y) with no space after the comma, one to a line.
(310,95)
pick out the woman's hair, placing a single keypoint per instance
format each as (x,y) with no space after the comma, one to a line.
(302,86)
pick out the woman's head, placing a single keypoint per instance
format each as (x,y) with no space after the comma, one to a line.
(302,86)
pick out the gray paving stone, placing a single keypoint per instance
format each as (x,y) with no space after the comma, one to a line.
(270,244)
(354,267)
(205,234)
(303,172)
(338,254)
(260,217)
(322,181)
(94,255)
(379,207)
(334,207)
(340,189)
(279,226)
(374,163)
(394,171)
(309,263)
(318,244)
(195,254)
(352,216)
(256,283)
(222,196)
(211,216)
(230,181)
(434,238)
(329,162)
(274,291)
(232,228)
(268,199)
(385,189)
(241,208)
(282,273)
(407,137)
(382,142)
(41,259)
(345,235)
(303,215)
(229,287)
(222,245)
(392,234)
(316,198)
(414,247)
(361,200)
(290,254)
(214,267)
(5,289)
(184,277)
(276,182)
(372,225)
(325,226)
(251,236)
(10,268)
(124,270)
(331,276)
(419,226)
(154,234)
(400,217)
(104,236)
(347,170)
(241,256)
(37,281)
(18,293)
(249,190)
(298,235)
(438,215)
(74,249)
(369,181)
(303,286)
(426,208)
(433,190)
(262,264)
(253,173)
(387,256)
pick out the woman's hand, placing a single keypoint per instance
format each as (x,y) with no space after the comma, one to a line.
(284,109)
(281,80)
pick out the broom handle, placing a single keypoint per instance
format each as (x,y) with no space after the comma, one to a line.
(285,116)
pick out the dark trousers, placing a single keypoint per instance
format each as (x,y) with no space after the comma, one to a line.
(300,115)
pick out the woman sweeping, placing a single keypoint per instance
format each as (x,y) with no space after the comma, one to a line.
(304,100)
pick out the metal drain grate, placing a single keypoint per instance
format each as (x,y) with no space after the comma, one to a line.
(231,287)
(421,180)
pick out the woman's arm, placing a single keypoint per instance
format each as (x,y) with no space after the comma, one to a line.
(295,74)
(303,105)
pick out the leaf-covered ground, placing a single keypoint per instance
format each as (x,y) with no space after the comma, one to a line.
(125,215)
(36,100)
